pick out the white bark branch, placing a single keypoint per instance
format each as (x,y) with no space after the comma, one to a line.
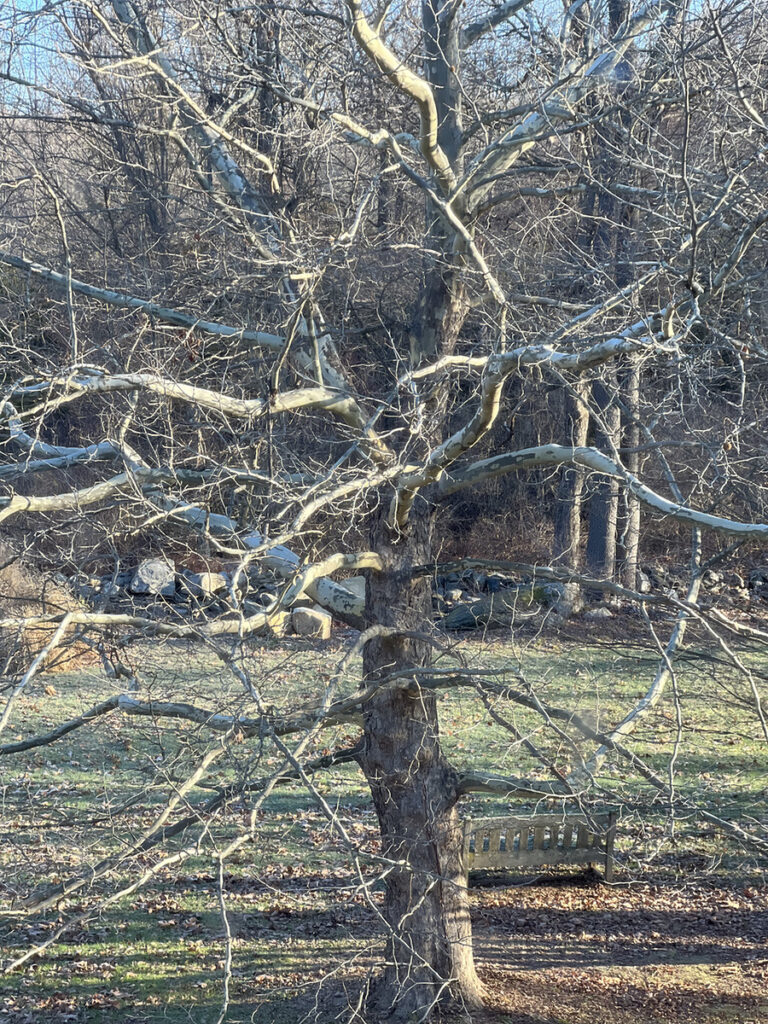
(591,458)
(501,154)
(153,309)
(341,405)
(409,83)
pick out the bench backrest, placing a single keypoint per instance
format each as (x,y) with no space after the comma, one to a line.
(543,839)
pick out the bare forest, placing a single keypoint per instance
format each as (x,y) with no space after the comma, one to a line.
(360,368)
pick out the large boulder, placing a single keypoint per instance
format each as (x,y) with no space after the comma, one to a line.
(355,585)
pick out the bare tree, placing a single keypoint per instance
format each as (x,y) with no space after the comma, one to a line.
(328,238)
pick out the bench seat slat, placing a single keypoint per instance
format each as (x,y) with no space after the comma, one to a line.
(506,842)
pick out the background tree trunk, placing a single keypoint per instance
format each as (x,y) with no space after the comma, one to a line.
(629,524)
(570,488)
(604,505)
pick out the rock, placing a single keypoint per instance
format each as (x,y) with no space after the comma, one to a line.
(596,614)
(279,623)
(548,593)
(311,622)
(569,602)
(277,556)
(204,585)
(355,585)
(154,576)
(454,594)
(758,578)
(643,582)
(211,582)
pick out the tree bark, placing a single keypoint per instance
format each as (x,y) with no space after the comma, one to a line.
(604,506)
(429,959)
(570,488)
(629,526)
(415,789)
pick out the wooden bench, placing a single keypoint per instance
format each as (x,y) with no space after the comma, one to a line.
(550,839)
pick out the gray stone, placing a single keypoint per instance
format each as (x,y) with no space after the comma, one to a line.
(356,585)
(204,585)
(454,594)
(311,622)
(154,576)
(550,594)
(570,601)
(595,614)
(280,623)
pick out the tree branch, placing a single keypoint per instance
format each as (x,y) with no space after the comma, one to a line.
(409,83)
(61,730)
(153,309)
(591,458)
(472,32)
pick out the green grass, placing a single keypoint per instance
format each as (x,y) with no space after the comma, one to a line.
(158,954)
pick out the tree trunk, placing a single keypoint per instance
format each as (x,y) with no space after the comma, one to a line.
(604,506)
(429,957)
(570,486)
(629,542)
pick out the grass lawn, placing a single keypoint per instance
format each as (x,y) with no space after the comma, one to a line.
(680,937)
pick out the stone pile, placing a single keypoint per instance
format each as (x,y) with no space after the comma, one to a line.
(156,588)
(464,600)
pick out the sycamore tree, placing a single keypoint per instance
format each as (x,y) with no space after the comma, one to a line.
(269,273)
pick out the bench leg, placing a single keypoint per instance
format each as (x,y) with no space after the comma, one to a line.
(609,840)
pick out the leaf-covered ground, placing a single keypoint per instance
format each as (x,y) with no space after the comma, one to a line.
(568,949)
(681,938)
